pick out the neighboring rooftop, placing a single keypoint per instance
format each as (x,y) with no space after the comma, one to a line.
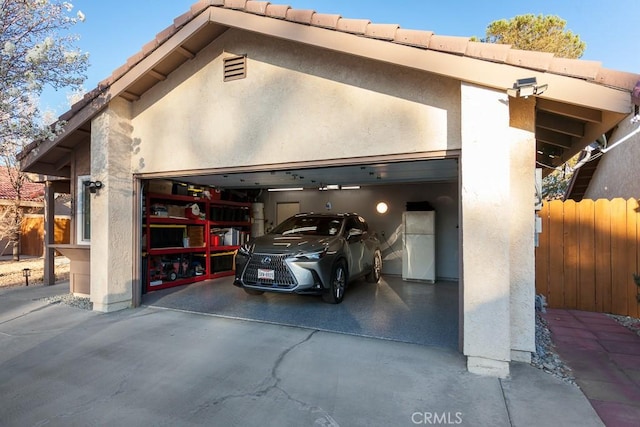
(31,191)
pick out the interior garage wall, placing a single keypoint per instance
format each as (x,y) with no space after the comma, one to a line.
(442,196)
(297,104)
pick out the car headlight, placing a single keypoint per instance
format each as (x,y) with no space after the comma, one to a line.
(245,250)
(312,256)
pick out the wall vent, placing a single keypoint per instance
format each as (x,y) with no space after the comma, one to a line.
(235,68)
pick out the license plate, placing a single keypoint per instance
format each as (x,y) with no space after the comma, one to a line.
(266,274)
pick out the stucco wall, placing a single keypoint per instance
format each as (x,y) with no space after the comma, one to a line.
(617,173)
(486,218)
(442,196)
(296,104)
(112,209)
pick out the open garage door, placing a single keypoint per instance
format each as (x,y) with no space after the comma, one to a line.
(410,311)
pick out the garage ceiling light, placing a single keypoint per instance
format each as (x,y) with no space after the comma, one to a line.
(330,187)
(286,189)
(339,187)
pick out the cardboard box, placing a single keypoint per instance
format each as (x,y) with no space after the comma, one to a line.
(195,234)
(161,186)
(175,211)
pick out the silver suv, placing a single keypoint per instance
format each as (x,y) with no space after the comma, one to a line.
(310,254)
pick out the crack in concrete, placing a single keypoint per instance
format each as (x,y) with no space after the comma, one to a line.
(270,384)
(506,404)
(26,313)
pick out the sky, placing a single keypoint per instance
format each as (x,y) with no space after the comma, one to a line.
(116,29)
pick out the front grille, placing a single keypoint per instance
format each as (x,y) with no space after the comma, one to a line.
(283,279)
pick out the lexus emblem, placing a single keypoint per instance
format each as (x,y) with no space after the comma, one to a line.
(266,260)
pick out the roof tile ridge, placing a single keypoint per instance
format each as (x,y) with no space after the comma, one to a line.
(580,68)
(414,38)
(352,25)
(325,20)
(257,7)
(382,31)
(493,52)
(234,4)
(278,11)
(617,79)
(450,44)
(529,59)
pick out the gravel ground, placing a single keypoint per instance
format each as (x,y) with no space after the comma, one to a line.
(70,299)
(630,323)
(545,357)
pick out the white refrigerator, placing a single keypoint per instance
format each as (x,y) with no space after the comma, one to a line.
(419,246)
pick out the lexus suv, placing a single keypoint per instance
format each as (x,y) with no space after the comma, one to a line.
(310,253)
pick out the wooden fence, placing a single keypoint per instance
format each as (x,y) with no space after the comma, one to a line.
(587,255)
(32,234)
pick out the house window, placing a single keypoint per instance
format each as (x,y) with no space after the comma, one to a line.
(83,210)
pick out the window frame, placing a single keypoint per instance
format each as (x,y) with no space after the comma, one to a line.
(83,196)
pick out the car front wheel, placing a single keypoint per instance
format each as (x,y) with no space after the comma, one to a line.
(337,284)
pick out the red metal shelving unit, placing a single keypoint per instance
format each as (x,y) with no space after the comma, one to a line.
(169,264)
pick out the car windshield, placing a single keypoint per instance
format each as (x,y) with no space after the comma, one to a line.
(309,225)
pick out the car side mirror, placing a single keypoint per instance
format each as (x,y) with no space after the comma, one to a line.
(354,232)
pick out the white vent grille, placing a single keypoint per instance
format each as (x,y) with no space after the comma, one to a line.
(235,68)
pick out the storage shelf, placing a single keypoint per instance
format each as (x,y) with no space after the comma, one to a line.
(177,250)
(177,198)
(175,221)
(217,261)
(226,203)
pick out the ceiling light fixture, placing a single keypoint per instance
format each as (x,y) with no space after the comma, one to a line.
(286,189)
(350,187)
(382,207)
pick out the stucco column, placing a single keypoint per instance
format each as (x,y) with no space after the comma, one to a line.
(111,208)
(486,217)
(522,228)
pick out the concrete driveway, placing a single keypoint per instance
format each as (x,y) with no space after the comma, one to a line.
(62,366)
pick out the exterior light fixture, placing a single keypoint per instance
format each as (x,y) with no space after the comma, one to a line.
(93,186)
(524,88)
(26,272)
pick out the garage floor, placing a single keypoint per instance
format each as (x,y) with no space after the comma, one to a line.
(413,312)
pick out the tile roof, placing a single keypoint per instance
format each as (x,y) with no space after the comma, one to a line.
(590,71)
(31,191)
(540,61)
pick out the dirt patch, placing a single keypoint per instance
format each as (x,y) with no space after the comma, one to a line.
(12,272)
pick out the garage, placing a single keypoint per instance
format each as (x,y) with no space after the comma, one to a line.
(400,307)
(250,96)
